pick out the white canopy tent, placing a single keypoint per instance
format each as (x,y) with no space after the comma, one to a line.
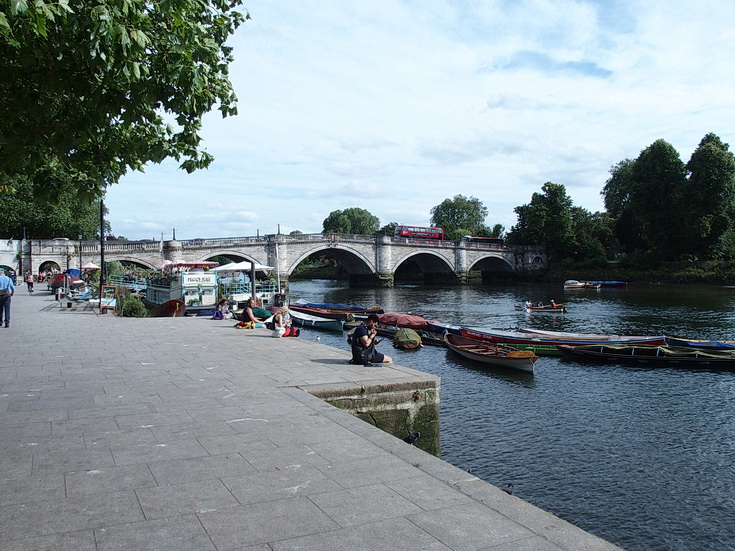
(244,266)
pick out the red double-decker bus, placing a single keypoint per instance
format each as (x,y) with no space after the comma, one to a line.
(419,232)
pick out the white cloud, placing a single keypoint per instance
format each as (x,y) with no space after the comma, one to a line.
(395,106)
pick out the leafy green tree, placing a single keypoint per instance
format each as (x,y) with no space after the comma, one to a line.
(389,229)
(709,213)
(460,216)
(657,197)
(353,220)
(91,89)
(590,234)
(498,230)
(616,194)
(546,220)
(23,214)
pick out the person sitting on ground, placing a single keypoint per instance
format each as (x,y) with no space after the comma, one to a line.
(247,313)
(224,307)
(364,341)
(282,324)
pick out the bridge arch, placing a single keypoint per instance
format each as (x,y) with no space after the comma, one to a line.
(235,256)
(359,267)
(435,267)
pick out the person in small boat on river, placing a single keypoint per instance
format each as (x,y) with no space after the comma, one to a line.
(364,341)
(247,313)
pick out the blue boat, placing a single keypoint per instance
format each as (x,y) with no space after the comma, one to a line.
(700,344)
(440,328)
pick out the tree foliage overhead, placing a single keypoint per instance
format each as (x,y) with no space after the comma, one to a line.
(353,220)
(24,215)
(460,216)
(91,89)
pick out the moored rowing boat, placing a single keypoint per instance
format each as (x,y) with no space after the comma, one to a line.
(493,354)
(653,356)
(302,319)
(554,338)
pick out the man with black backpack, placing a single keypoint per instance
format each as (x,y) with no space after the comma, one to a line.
(364,341)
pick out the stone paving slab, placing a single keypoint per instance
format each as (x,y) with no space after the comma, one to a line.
(189,435)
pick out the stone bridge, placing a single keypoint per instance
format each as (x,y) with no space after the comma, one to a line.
(369,260)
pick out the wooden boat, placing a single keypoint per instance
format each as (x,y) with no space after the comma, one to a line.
(346,308)
(410,321)
(406,339)
(607,283)
(574,284)
(654,356)
(174,308)
(301,319)
(655,340)
(539,349)
(320,312)
(494,354)
(438,327)
(545,309)
(700,344)
(555,338)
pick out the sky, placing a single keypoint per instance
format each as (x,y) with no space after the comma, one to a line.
(394,106)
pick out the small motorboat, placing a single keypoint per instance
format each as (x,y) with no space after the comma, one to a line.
(491,353)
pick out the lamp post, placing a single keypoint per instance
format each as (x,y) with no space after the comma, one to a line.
(103,270)
(80,256)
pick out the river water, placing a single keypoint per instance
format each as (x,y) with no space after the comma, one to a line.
(642,457)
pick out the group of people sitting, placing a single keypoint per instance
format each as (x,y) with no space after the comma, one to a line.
(363,339)
(280,322)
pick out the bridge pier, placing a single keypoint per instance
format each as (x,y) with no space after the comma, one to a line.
(463,277)
(371,280)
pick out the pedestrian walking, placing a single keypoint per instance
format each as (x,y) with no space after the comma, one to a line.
(29,282)
(7,290)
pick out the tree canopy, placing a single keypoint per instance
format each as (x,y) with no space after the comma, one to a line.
(674,210)
(460,216)
(90,89)
(353,220)
(26,216)
(547,221)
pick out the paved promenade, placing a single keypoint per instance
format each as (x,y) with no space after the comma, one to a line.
(189,435)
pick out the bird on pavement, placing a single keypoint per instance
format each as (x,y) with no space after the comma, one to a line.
(508,489)
(412,438)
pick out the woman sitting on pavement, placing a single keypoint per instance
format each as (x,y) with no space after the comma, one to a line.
(247,314)
(282,325)
(223,310)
